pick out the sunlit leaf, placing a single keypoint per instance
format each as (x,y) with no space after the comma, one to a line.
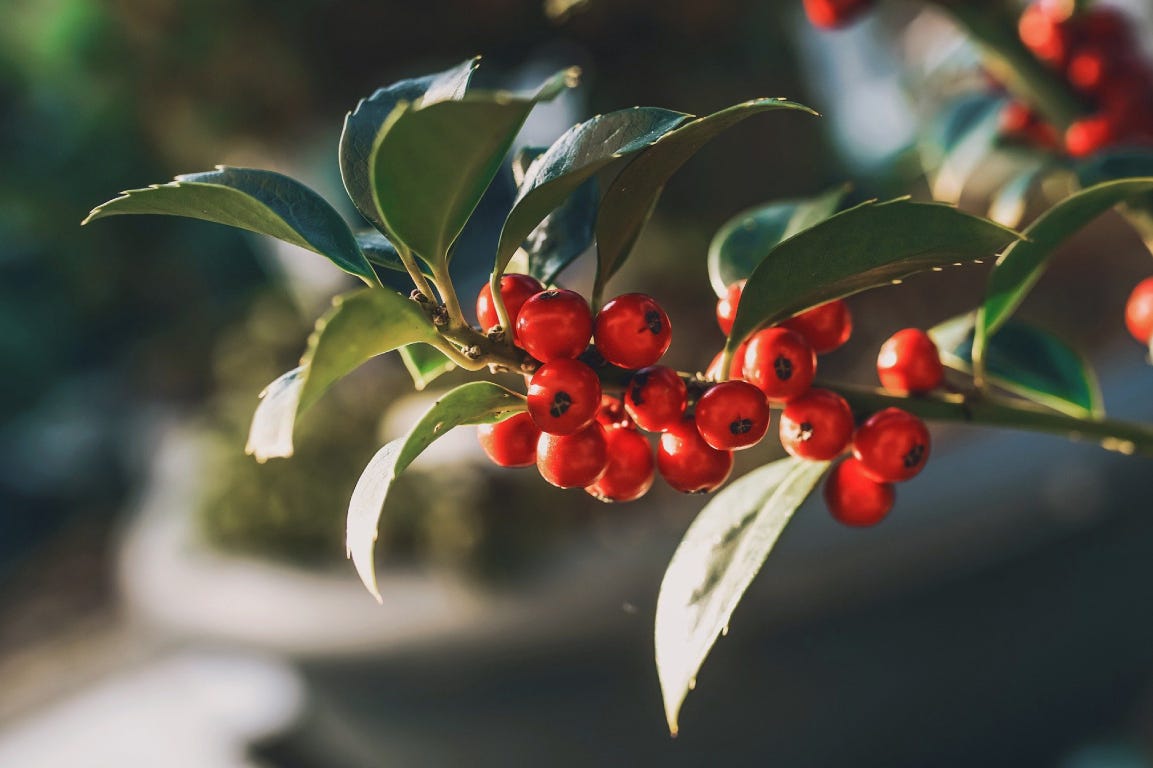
(425,364)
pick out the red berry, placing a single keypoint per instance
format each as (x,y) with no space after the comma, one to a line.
(515,290)
(631,466)
(656,398)
(564,396)
(612,413)
(893,445)
(632,331)
(1088,69)
(727,306)
(1044,35)
(909,363)
(688,463)
(856,499)
(825,327)
(1089,135)
(732,415)
(817,425)
(554,324)
(1139,311)
(573,461)
(831,14)
(512,442)
(780,362)
(736,367)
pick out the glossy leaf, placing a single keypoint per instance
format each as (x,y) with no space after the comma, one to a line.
(425,364)
(363,123)
(714,564)
(573,159)
(745,239)
(1028,362)
(861,248)
(380,251)
(632,195)
(430,164)
(360,326)
(479,402)
(264,202)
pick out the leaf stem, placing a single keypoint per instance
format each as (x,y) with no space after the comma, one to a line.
(448,295)
(413,270)
(502,315)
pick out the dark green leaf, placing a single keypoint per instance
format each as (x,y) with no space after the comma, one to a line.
(632,195)
(479,402)
(425,364)
(745,239)
(861,248)
(362,124)
(574,158)
(430,164)
(380,251)
(1124,163)
(264,202)
(716,561)
(1026,361)
(360,325)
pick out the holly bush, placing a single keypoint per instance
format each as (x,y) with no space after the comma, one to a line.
(417,156)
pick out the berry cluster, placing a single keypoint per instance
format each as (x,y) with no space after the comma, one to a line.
(1097,54)
(834,14)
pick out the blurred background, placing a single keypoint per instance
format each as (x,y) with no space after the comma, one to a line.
(164,600)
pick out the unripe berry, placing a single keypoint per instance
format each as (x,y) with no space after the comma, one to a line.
(554,324)
(688,463)
(512,442)
(817,425)
(632,331)
(656,398)
(833,14)
(631,466)
(1139,311)
(825,327)
(909,363)
(573,461)
(732,415)
(780,362)
(892,445)
(563,396)
(727,306)
(515,290)
(856,499)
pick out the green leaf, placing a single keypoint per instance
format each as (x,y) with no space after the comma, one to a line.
(1009,205)
(966,136)
(360,326)
(425,364)
(431,163)
(380,251)
(1027,361)
(479,402)
(1022,264)
(745,239)
(632,195)
(264,202)
(574,158)
(1113,164)
(865,247)
(714,564)
(363,123)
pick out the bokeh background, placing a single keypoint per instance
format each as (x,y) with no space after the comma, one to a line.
(166,601)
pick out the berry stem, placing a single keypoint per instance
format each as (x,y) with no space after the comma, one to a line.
(498,303)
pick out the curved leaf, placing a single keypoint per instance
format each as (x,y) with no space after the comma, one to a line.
(743,240)
(479,402)
(425,364)
(1009,205)
(632,195)
(966,145)
(380,251)
(861,248)
(572,159)
(360,326)
(431,163)
(264,202)
(714,564)
(363,123)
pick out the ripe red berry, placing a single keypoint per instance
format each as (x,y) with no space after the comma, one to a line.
(656,398)
(631,466)
(1044,34)
(817,425)
(856,499)
(573,461)
(1088,69)
(632,331)
(612,413)
(554,324)
(825,327)
(563,396)
(1139,311)
(736,367)
(688,463)
(732,415)
(892,445)
(727,306)
(1089,135)
(909,363)
(515,290)
(780,362)
(832,14)
(512,442)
